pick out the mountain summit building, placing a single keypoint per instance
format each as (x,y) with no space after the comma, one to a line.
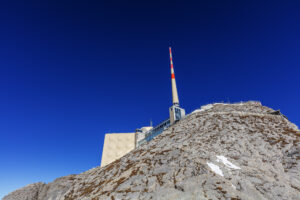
(117,145)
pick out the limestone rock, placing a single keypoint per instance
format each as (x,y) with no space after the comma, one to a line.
(30,191)
(221,151)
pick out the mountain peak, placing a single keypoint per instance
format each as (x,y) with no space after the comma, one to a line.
(221,151)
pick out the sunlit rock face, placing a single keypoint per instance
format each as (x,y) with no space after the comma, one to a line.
(221,151)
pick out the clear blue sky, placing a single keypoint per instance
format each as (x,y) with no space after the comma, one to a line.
(71,71)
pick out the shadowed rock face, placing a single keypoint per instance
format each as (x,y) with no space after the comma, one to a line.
(223,151)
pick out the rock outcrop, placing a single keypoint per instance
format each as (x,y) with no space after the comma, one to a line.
(221,151)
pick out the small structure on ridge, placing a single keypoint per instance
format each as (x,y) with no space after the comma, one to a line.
(116,145)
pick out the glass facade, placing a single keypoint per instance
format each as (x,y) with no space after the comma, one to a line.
(155,131)
(177,114)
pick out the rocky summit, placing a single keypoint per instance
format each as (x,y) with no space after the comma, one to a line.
(221,151)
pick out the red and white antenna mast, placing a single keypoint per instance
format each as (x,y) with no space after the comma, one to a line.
(174,88)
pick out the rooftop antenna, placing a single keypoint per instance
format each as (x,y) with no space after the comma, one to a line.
(174,88)
(176,113)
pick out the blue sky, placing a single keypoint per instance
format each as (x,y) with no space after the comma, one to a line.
(71,71)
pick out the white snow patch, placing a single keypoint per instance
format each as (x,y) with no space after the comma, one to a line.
(226,162)
(233,186)
(215,168)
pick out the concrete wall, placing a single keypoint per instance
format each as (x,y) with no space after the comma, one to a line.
(116,145)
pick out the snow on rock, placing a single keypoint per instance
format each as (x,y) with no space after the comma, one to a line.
(215,168)
(225,161)
(233,186)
